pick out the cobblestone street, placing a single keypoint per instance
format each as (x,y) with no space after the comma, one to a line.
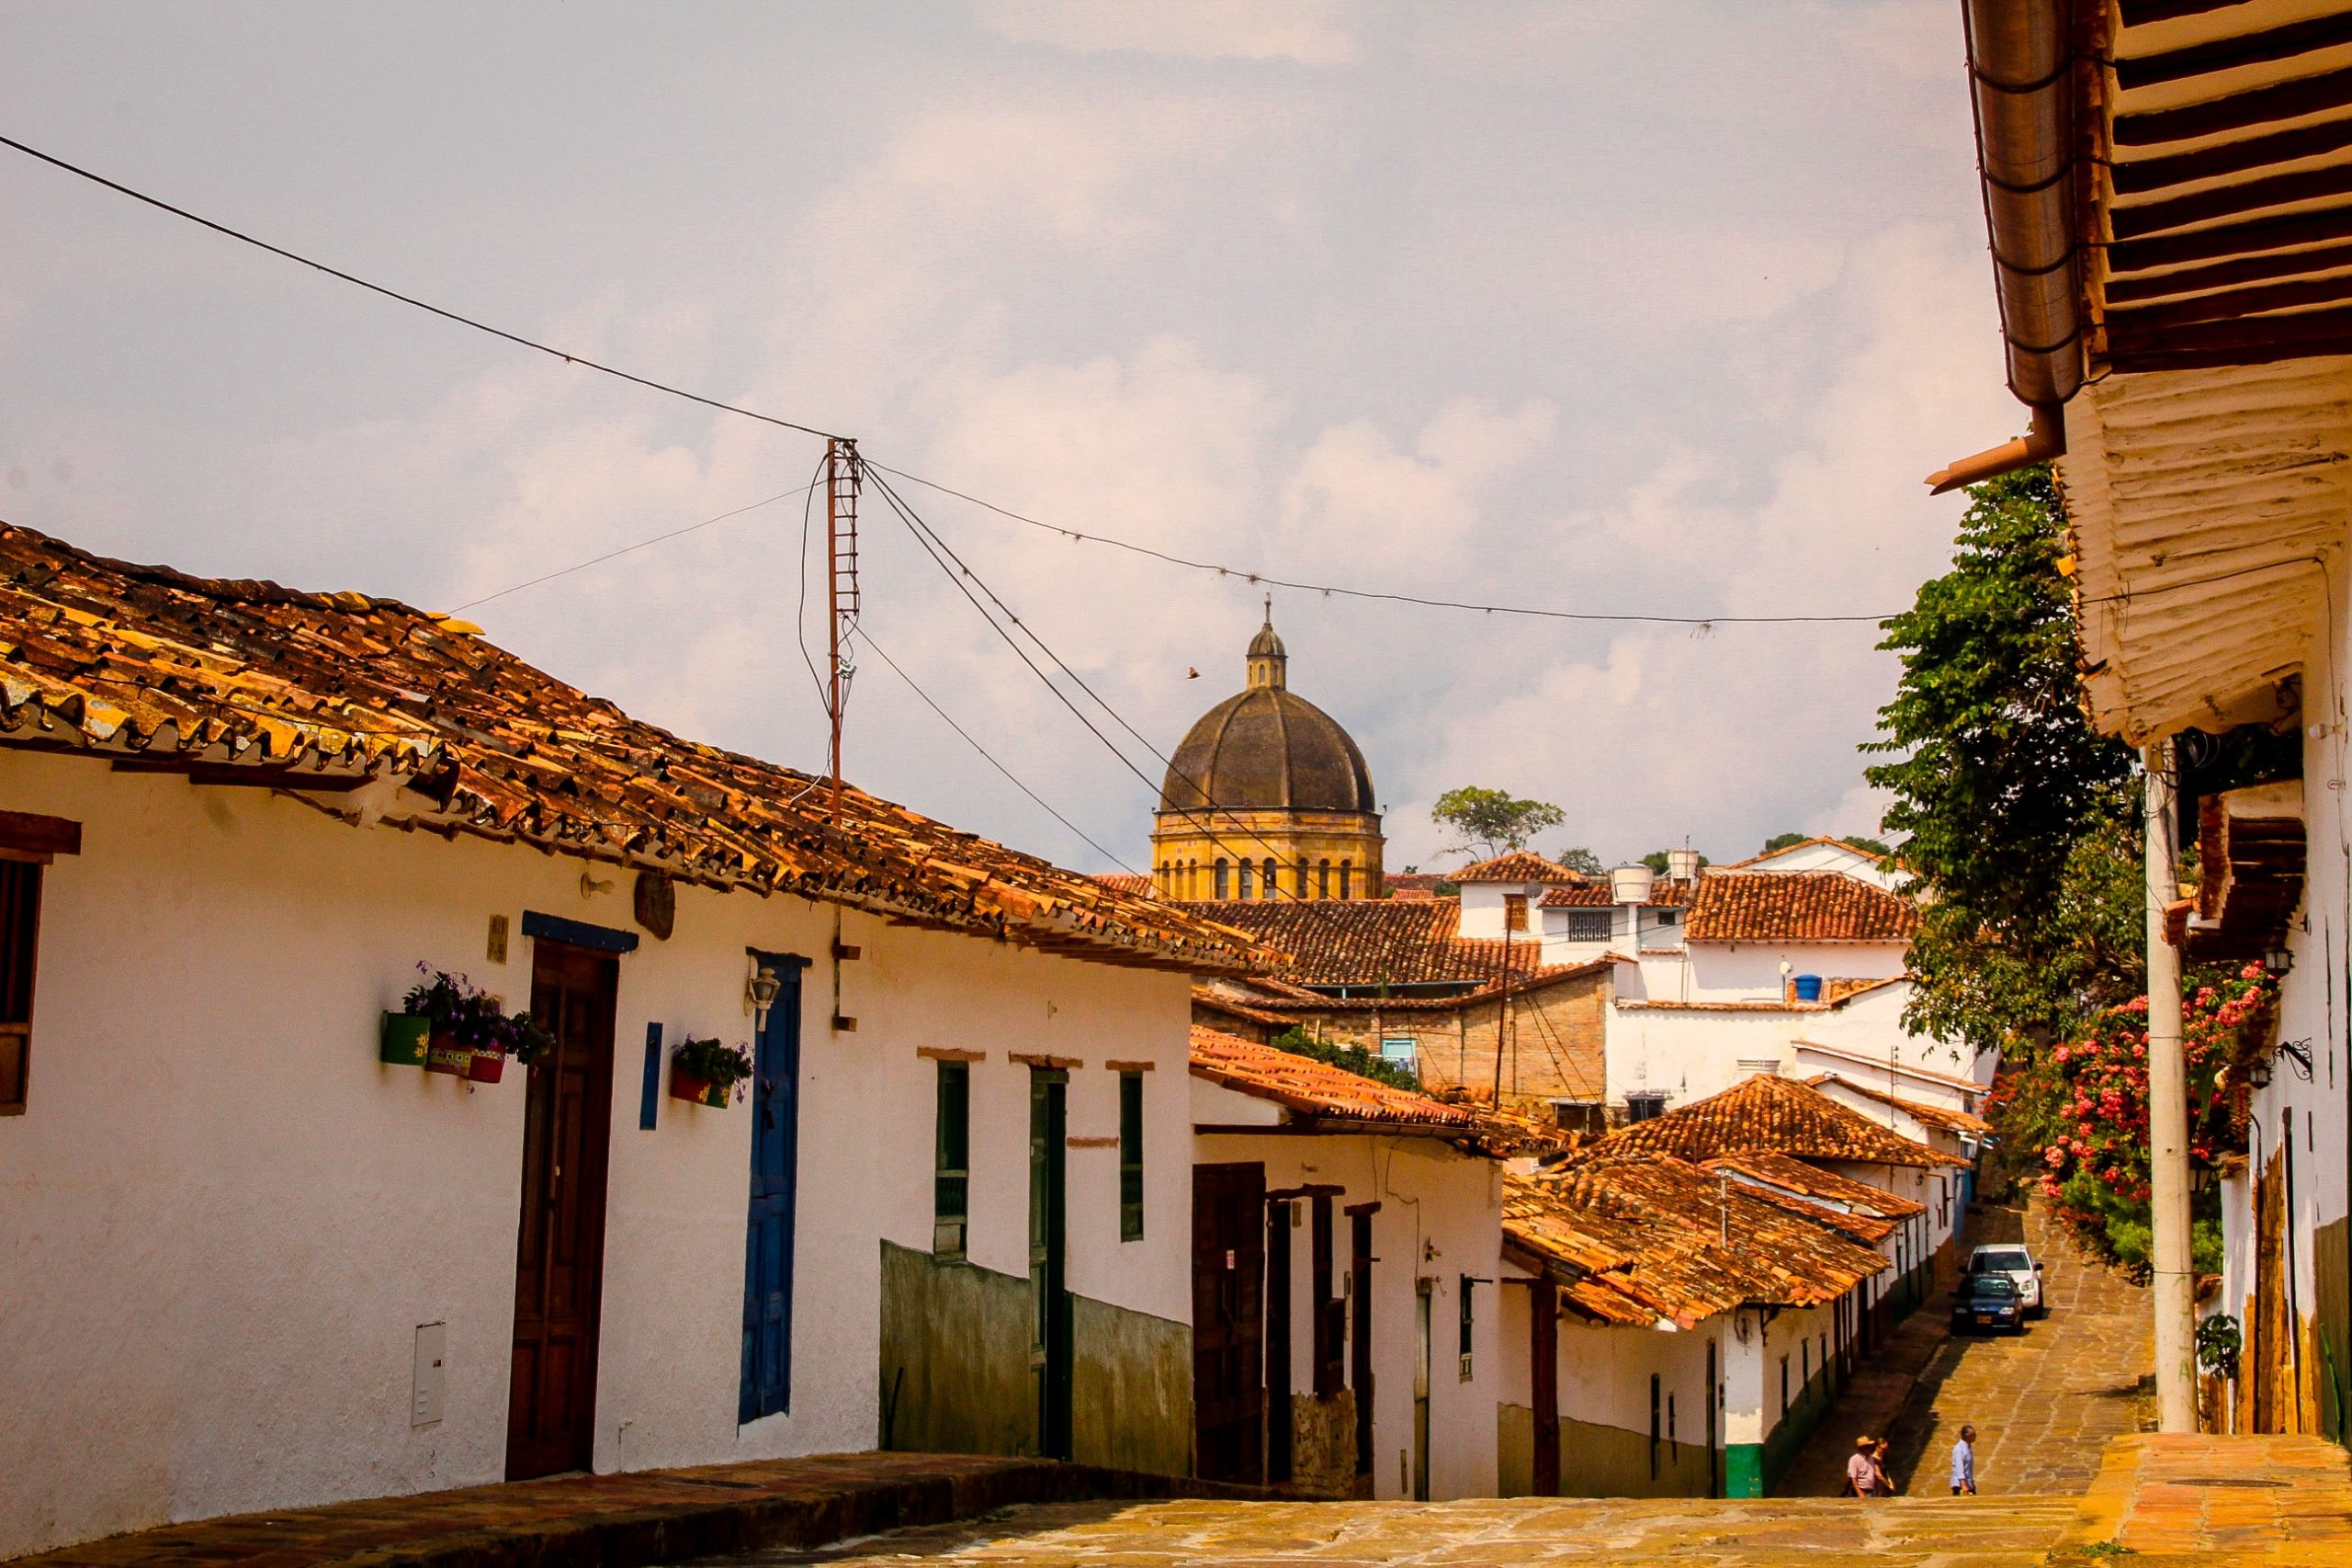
(2044,1403)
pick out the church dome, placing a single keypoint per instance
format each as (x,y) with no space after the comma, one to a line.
(1266,748)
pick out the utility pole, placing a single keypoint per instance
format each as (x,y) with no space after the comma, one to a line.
(844,474)
(2175,1290)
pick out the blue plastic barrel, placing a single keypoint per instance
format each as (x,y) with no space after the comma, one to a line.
(1808,988)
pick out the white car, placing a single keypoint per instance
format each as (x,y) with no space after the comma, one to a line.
(2014,1263)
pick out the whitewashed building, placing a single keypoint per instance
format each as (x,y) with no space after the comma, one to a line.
(1345,1307)
(235,818)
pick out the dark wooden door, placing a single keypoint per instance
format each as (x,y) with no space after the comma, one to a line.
(1050,1351)
(1228,1321)
(1543,1365)
(766,1383)
(1278,1341)
(559,1261)
(1360,1264)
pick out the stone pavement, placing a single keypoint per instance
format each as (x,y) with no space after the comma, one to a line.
(2045,1404)
(2166,1502)
(618,1521)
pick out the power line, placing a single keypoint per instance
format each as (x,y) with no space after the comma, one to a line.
(409,299)
(866,638)
(1336,590)
(640,544)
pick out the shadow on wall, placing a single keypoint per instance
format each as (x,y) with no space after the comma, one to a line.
(956,1370)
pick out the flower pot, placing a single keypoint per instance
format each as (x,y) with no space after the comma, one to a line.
(684,1086)
(444,1054)
(403,1042)
(488,1067)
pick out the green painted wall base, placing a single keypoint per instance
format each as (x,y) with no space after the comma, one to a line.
(1744,1470)
(956,1379)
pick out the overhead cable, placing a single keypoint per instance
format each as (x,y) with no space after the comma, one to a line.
(567,357)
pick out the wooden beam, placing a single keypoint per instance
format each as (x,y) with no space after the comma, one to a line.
(2142,360)
(2231,304)
(2140,13)
(2236,111)
(2229,52)
(2256,332)
(30,833)
(2228,201)
(2135,176)
(2282,233)
(2221,275)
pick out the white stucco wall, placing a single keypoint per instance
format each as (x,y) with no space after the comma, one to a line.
(1750,970)
(221,1220)
(1690,1053)
(1441,1217)
(1832,856)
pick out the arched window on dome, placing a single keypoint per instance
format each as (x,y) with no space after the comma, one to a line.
(1267,886)
(1323,879)
(1347,879)
(1222,892)
(1249,875)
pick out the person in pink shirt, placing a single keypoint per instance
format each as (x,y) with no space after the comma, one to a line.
(1861,1471)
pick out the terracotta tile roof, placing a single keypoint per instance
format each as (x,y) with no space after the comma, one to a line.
(1797,1175)
(1130,882)
(1416,895)
(1797,906)
(1518,866)
(1396,884)
(1371,942)
(1317,1090)
(1771,1112)
(1957,1121)
(1664,894)
(443,730)
(1675,1241)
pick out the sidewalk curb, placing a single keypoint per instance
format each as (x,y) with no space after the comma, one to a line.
(788,1515)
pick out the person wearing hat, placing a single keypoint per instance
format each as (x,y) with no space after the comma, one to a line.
(1861,1471)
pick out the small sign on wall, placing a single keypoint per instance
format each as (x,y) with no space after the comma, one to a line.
(425,1378)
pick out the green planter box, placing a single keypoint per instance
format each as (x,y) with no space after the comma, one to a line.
(403,1042)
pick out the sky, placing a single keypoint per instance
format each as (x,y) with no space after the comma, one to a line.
(1620,306)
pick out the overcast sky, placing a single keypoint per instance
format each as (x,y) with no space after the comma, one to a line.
(1646,306)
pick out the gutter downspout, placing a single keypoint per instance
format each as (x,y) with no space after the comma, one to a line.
(2023,70)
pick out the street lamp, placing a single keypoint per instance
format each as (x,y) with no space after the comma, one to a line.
(760,993)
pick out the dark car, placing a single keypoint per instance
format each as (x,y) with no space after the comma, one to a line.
(1987,1301)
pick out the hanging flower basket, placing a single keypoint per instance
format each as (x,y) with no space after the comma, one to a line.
(706,1072)
(470,1035)
(404,1040)
(444,1054)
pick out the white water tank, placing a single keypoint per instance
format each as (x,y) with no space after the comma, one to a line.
(1681,865)
(1630,885)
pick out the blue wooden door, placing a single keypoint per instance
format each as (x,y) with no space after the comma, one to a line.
(775,1156)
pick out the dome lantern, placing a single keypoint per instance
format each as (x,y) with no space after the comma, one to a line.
(1267,662)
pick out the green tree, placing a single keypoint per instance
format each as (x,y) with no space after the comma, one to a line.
(1577,858)
(1351,1058)
(1492,821)
(2017,823)
(1782,840)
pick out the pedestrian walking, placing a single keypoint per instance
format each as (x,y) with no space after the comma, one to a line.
(1963,1464)
(1883,1479)
(1861,1474)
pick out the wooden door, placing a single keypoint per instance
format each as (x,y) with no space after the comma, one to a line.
(1278,1341)
(766,1383)
(1360,1343)
(1228,1321)
(1543,1365)
(559,1257)
(1050,1316)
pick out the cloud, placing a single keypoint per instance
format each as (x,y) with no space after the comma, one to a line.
(1309,32)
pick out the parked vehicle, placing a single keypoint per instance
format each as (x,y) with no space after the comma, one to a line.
(2017,1265)
(1986,1302)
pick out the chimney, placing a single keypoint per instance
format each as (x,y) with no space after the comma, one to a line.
(1630,885)
(1682,864)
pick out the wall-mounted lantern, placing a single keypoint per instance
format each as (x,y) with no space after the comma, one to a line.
(760,993)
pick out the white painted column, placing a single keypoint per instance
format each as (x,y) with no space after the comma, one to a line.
(2175,1292)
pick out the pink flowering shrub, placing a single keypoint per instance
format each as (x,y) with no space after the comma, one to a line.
(2088,1098)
